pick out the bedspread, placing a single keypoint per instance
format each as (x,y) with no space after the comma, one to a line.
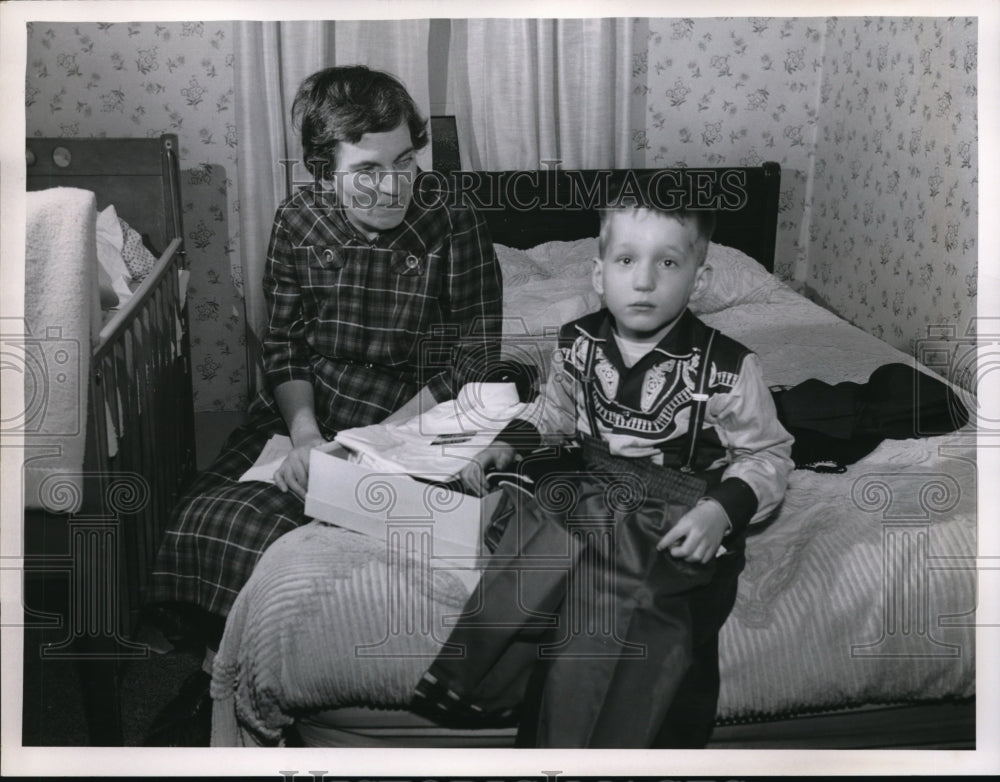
(861,589)
(329,617)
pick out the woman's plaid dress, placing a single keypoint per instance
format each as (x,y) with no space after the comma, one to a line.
(369,324)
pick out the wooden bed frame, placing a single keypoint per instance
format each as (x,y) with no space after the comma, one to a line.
(526,208)
(941,725)
(140,382)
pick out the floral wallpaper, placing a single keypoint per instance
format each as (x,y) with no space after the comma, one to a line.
(892,242)
(144,79)
(873,121)
(736,92)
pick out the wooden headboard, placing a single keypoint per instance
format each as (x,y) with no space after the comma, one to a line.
(140,176)
(525,208)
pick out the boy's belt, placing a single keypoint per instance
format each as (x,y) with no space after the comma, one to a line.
(665,483)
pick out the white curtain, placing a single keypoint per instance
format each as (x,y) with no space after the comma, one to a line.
(271,60)
(396,46)
(533,90)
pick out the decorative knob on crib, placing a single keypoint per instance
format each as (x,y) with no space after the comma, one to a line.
(61,157)
(29,157)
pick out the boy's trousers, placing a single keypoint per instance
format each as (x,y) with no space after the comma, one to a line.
(582,628)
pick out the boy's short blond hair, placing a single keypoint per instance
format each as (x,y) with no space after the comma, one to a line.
(704,222)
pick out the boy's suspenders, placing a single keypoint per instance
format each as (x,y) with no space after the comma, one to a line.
(585,381)
(700,397)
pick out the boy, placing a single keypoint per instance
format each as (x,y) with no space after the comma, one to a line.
(654,395)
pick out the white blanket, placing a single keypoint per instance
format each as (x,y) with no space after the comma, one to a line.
(62,311)
(328,617)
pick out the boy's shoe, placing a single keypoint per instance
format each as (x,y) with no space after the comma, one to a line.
(187,720)
(435,701)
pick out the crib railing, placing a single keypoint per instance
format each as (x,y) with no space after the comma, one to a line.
(143,424)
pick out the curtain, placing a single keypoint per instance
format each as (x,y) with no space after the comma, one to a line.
(270,60)
(532,90)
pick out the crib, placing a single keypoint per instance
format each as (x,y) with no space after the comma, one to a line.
(92,525)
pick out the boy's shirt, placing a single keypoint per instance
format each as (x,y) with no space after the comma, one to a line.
(643,411)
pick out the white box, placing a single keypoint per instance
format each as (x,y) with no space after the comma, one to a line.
(379,504)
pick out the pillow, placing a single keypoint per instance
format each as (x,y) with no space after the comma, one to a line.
(106,289)
(736,278)
(137,258)
(517,267)
(544,305)
(536,305)
(110,241)
(566,259)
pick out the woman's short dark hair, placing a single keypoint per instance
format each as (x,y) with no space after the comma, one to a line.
(345,102)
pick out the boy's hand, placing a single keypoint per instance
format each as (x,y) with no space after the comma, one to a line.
(498,455)
(697,535)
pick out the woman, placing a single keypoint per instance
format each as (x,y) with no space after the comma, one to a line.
(372,275)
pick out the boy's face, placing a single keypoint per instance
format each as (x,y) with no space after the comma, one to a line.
(374,179)
(650,269)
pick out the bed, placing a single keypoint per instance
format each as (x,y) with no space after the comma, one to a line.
(109,442)
(853,626)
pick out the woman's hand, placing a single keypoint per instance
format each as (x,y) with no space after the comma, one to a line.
(293,474)
(697,535)
(295,401)
(498,456)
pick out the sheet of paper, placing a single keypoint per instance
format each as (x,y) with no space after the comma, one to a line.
(270,459)
(437,444)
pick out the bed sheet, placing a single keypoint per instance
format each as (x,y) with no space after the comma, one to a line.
(860,589)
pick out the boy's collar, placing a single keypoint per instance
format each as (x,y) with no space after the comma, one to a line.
(600,328)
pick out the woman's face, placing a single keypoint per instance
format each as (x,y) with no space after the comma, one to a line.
(374,179)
